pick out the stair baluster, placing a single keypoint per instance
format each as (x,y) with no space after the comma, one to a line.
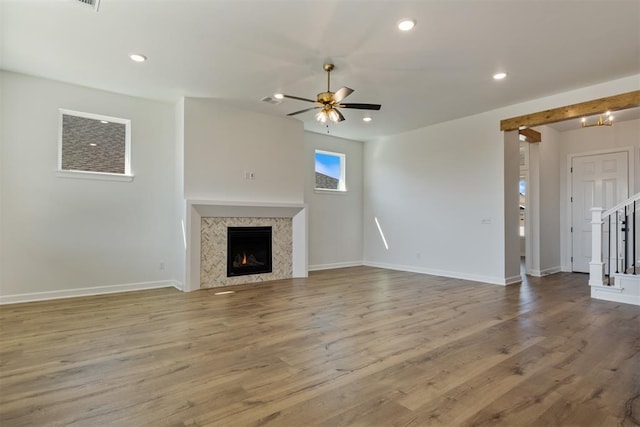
(625,228)
(608,258)
(617,244)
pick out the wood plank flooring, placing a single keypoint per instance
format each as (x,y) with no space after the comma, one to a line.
(356,347)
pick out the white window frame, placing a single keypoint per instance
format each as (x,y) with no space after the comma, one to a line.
(127,176)
(342,181)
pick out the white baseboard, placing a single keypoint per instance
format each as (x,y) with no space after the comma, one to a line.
(545,272)
(510,280)
(83,292)
(452,274)
(318,267)
(613,294)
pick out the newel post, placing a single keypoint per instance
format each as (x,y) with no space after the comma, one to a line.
(596,266)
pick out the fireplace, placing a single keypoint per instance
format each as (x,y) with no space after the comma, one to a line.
(207,244)
(248,251)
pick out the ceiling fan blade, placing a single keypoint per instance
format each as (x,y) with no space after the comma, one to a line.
(340,116)
(341,94)
(361,106)
(302,111)
(299,99)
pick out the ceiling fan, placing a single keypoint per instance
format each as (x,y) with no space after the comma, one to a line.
(330,102)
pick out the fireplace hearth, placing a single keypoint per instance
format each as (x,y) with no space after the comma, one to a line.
(248,250)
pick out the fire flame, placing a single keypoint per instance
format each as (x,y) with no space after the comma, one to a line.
(244,258)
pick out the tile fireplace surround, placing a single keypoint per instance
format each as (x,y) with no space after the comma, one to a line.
(213,255)
(214,215)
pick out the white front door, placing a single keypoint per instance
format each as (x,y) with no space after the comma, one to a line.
(596,181)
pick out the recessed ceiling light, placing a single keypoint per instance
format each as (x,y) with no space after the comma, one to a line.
(499,76)
(406,24)
(366,119)
(136,57)
(278,96)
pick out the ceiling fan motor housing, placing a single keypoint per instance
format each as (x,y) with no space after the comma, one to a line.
(325,97)
(330,102)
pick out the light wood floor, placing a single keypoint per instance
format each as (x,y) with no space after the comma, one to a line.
(357,346)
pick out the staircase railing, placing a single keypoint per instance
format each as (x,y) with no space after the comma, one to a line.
(613,241)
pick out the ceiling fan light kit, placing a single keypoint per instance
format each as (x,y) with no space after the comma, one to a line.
(601,122)
(329,102)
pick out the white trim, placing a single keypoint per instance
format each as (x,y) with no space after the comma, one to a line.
(332,266)
(528,223)
(610,289)
(342,181)
(197,209)
(127,138)
(631,173)
(97,176)
(524,148)
(613,294)
(452,274)
(509,281)
(82,292)
(545,272)
(329,191)
(621,205)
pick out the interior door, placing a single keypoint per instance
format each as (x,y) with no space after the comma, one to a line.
(596,181)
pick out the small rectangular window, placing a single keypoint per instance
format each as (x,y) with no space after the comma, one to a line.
(330,171)
(94,144)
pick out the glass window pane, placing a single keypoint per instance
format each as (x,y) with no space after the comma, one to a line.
(329,171)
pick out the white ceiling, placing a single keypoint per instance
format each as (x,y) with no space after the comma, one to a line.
(240,51)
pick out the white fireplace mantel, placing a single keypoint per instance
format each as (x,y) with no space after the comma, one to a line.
(197,209)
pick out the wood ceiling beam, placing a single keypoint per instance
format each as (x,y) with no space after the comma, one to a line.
(589,108)
(531,135)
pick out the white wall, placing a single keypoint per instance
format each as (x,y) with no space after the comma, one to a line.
(620,135)
(549,149)
(434,190)
(511,206)
(180,203)
(543,203)
(66,234)
(222,143)
(335,218)
(437,193)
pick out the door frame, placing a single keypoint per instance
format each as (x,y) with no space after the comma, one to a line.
(528,224)
(631,158)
